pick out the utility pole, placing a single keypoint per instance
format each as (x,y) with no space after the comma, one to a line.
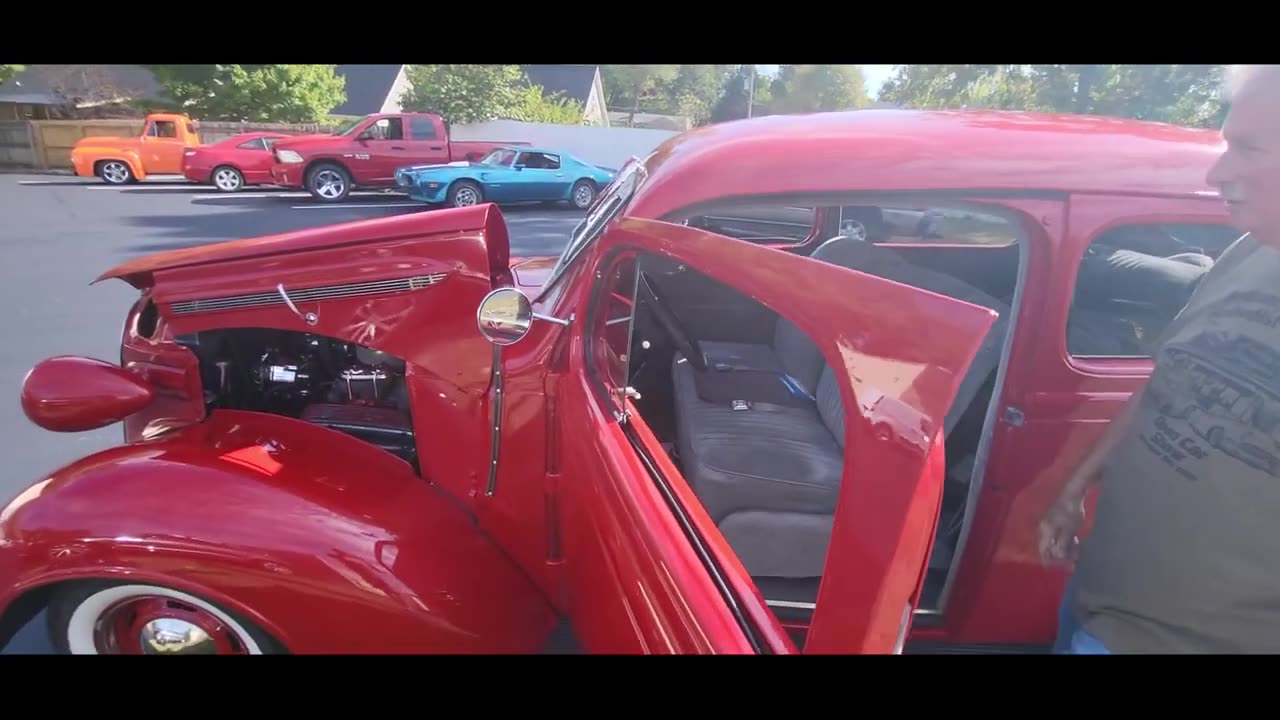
(751,88)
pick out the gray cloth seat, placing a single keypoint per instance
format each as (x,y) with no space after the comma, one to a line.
(760,433)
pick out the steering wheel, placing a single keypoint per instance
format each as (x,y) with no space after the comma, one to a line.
(672,325)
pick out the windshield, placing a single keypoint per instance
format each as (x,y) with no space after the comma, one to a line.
(501,156)
(609,205)
(347,126)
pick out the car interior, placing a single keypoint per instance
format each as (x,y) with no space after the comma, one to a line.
(744,402)
(748,410)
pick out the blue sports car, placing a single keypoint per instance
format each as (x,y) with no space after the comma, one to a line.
(506,174)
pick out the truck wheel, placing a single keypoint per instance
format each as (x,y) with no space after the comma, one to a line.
(329,182)
(584,193)
(465,193)
(115,172)
(227,179)
(126,618)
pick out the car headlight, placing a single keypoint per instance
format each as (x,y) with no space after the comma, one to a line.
(288,156)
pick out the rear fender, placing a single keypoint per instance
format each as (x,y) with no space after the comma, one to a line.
(329,544)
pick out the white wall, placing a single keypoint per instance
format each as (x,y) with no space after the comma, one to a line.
(606,146)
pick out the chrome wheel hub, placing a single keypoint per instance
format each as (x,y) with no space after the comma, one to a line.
(328,184)
(172,636)
(227,179)
(115,172)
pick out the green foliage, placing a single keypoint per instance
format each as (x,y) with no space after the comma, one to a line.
(8,71)
(1182,94)
(633,86)
(818,88)
(732,104)
(463,93)
(716,93)
(261,93)
(476,93)
(694,91)
(533,105)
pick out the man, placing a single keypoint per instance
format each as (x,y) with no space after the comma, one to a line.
(1184,553)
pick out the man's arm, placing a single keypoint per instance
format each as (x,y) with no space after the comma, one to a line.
(1087,472)
(1062,521)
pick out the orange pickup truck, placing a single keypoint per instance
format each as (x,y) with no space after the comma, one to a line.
(119,160)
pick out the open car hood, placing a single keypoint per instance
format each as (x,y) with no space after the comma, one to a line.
(141,272)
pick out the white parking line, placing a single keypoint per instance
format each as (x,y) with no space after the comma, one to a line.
(342,206)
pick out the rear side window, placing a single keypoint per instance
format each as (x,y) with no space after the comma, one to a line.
(925,225)
(1133,280)
(254,144)
(422,128)
(761,223)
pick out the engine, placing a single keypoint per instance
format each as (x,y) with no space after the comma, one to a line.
(340,385)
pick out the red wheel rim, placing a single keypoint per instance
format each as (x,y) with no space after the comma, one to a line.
(157,625)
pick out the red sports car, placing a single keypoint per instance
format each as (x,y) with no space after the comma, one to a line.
(795,384)
(231,164)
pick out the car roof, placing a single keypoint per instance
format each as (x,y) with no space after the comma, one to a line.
(529,148)
(905,150)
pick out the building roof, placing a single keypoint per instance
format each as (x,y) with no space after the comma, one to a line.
(367,88)
(574,81)
(59,84)
(927,150)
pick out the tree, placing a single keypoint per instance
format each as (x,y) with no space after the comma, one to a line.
(464,93)
(1182,94)
(694,91)
(732,104)
(263,93)
(818,88)
(8,71)
(476,93)
(633,86)
(532,105)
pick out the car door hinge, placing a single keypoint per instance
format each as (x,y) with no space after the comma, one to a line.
(1014,416)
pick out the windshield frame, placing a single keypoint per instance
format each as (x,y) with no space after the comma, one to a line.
(608,206)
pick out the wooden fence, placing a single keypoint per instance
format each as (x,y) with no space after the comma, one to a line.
(16,145)
(46,144)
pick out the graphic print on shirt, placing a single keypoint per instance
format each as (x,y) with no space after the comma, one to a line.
(1218,387)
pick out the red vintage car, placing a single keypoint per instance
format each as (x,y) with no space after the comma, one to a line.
(795,384)
(230,164)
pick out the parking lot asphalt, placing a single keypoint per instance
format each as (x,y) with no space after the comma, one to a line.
(58,233)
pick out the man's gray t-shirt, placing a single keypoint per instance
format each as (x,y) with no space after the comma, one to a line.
(1184,552)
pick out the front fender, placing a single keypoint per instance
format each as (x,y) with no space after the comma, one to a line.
(329,544)
(87,156)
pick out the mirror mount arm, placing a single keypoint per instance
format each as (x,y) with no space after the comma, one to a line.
(555,320)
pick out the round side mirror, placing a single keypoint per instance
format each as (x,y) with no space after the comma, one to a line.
(504,316)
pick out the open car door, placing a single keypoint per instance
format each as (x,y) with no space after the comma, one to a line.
(648,569)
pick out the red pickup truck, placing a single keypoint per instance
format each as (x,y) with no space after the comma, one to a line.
(367,152)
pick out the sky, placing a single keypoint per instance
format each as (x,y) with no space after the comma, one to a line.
(875,75)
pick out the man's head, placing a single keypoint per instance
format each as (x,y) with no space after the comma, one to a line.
(1248,173)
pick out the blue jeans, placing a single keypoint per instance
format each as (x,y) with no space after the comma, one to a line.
(1072,639)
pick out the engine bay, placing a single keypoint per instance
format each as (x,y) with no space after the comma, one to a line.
(333,383)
